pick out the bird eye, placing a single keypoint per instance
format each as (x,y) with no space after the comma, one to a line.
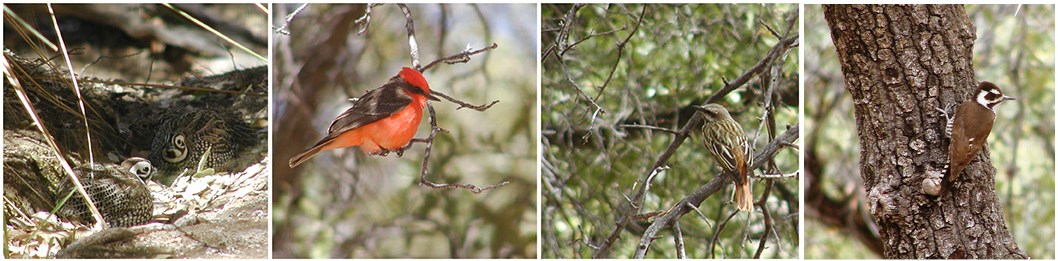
(178,141)
(179,150)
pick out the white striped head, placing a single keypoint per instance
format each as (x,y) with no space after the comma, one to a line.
(989,95)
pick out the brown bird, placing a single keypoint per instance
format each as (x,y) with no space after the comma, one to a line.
(726,141)
(119,193)
(970,127)
(184,135)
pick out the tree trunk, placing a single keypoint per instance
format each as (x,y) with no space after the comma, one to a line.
(900,63)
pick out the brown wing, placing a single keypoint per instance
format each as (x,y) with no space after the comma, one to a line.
(372,106)
(730,151)
(964,149)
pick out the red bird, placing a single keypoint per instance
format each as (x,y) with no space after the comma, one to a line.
(381,120)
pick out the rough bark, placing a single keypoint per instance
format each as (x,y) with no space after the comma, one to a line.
(900,63)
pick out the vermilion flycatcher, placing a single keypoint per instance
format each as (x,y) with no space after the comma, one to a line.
(381,120)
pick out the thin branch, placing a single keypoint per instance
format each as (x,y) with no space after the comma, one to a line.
(778,175)
(717,231)
(426,163)
(768,223)
(775,51)
(286,21)
(681,251)
(695,121)
(413,45)
(461,57)
(365,21)
(620,52)
(638,126)
(714,185)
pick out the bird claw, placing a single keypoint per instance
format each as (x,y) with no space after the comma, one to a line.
(948,121)
(944,111)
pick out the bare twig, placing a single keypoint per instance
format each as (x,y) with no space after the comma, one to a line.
(413,45)
(681,252)
(426,164)
(365,21)
(774,53)
(716,233)
(639,126)
(463,104)
(695,121)
(620,52)
(714,185)
(461,57)
(559,47)
(768,223)
(778,175)
(286,21)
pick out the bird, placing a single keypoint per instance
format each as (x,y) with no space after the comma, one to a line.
(727,143)
(120,193)
(384,119)
(184,135)
(969,128)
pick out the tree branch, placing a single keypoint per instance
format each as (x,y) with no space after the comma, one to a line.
(694,122)
(681,208)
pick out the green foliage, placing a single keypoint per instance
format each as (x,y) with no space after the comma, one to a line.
(679,56)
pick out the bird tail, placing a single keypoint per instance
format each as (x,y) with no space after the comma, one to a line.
(308,154)
(948,180)
(744,196)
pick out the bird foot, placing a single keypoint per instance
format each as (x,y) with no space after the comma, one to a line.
(949,121)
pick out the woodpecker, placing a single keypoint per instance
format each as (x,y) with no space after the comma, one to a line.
(969,129)
(726,141)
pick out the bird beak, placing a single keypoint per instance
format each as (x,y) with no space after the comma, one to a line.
(1005,98)
(431,97)
(698,107)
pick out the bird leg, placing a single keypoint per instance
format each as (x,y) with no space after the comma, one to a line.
(949,121)
(400,151)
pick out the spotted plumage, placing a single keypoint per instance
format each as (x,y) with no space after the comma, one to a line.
(184,135)
(727,143)
(119,193)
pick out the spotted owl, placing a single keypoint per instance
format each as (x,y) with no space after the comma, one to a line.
(119,193)
(182,136)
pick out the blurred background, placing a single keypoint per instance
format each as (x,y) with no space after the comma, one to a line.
(678,56)
(345,204)
(1014,49)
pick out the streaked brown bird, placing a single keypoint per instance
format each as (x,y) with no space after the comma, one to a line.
(726,141)
(970,127)
(119,193)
